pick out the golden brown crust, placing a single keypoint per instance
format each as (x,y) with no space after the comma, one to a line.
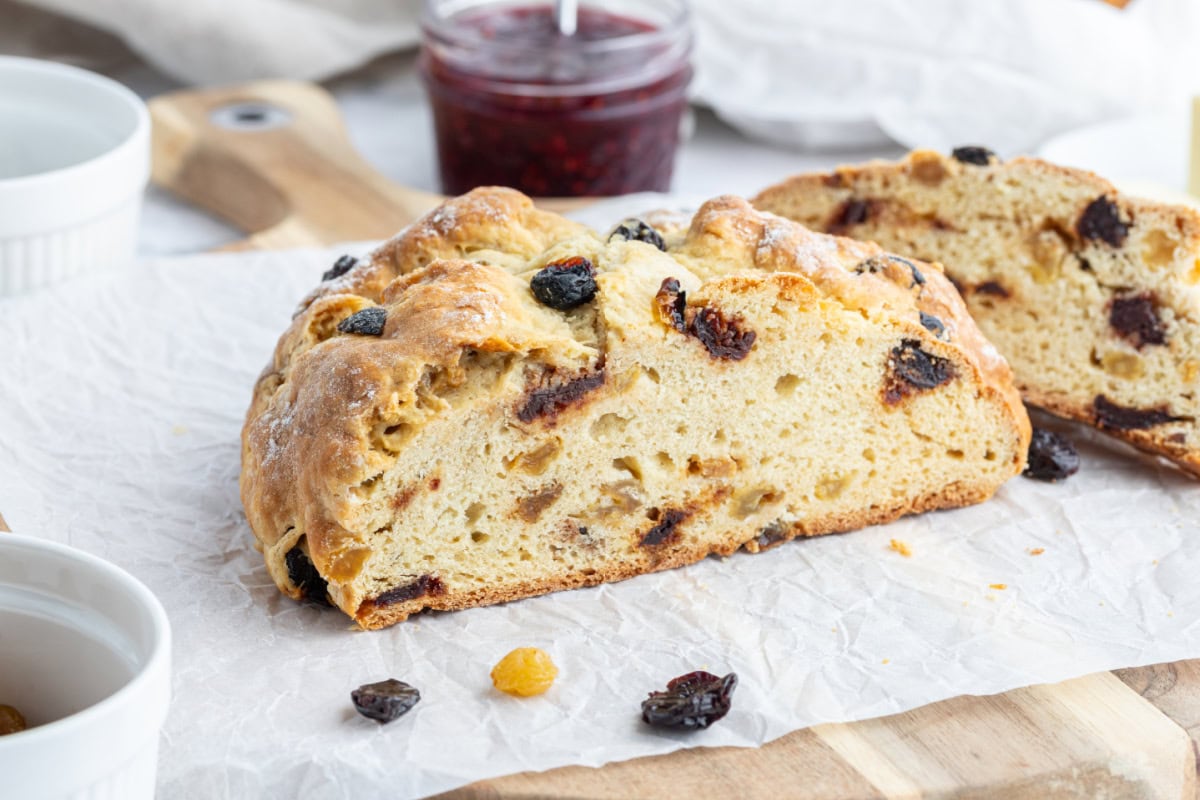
(1015,237)
(355,444)
(488,219)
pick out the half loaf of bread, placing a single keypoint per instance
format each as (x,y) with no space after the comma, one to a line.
(1092,295)
(434,433)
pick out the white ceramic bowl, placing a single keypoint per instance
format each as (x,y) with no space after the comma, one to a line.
(74,161)
(85,657)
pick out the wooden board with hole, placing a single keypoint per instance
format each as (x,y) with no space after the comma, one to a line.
(1123,735)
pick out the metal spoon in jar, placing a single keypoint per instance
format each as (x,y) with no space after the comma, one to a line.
(566,15)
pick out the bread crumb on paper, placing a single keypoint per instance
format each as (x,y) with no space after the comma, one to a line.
(1036,551)
(998,586)
(900,547)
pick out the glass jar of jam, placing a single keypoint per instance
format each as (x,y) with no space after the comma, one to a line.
(517,103)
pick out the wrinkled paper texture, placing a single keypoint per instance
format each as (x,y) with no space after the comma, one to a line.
(121,402)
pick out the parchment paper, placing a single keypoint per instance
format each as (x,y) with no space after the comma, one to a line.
(121,401)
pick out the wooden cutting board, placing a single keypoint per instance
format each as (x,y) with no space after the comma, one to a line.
(274,159)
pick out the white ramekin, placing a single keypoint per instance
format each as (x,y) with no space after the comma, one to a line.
(74,161)
(85,651)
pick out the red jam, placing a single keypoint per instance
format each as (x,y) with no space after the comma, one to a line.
(516,103)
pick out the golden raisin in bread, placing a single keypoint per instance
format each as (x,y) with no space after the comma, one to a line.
(1092,296)
(431,435)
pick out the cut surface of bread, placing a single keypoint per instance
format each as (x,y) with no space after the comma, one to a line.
(1092,296)
(469,445)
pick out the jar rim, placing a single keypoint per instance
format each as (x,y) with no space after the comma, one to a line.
(439,23)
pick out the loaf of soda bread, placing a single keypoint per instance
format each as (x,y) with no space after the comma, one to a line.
(501,403)
(1093,296)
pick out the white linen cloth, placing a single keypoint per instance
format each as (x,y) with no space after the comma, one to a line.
(121,399)
(1004,73)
